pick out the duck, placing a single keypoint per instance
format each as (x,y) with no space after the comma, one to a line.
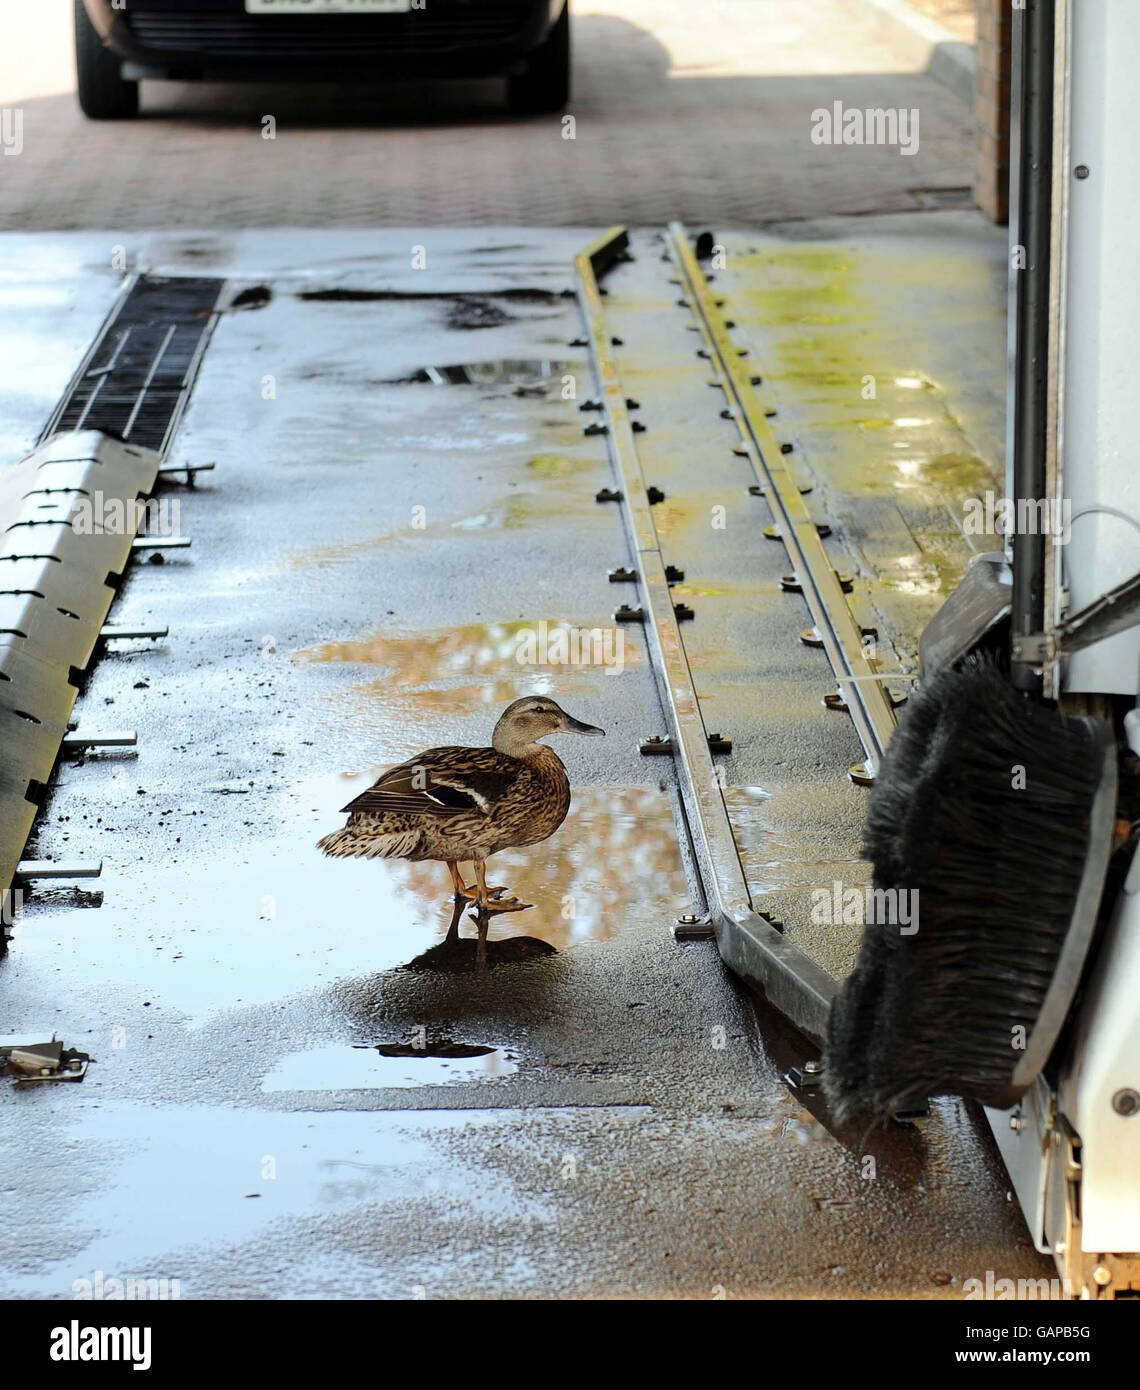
(460,805)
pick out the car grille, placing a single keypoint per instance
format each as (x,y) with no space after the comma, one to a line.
(436,29)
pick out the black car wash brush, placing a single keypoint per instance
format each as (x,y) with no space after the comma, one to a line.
(996,814)
(992,805)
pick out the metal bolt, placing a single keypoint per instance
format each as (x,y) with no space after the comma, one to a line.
(1016,1123)
(1081,171)
(1126,1101)
(687,920)
(813,1068)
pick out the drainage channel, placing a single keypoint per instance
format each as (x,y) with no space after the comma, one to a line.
(135,379)
(70,517)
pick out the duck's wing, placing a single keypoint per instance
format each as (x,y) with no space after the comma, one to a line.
(441,781)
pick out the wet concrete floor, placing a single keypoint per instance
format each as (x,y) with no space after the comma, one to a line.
(290,1098)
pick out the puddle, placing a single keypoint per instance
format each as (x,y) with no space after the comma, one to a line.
(347,1068)
(239,1174)
(506,371)
(511,514)
(471,649)
(272,918)
(464,311)
(346,294)
(252,297)
(439,1049)
(615,852)
(470,312)
(788,840)
(462,671)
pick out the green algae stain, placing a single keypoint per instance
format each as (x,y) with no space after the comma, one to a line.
(558,465)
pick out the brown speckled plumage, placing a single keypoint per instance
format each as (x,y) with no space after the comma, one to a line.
(499,801)
(458,804)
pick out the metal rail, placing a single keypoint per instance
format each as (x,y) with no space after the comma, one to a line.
(749,945)
(860,684)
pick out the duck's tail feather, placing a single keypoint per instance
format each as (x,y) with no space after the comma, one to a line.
(348,843)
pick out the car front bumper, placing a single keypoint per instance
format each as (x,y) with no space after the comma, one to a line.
(189,39)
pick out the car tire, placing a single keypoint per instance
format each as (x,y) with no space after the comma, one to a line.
(544,85)
(104,95)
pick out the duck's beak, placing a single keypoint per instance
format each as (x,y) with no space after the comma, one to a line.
(570,725)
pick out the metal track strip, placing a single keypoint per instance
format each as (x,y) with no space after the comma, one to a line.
(749,945)
(860,684)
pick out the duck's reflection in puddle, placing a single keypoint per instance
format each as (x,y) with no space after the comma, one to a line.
(457,957)
(615,852)
(372,1066)
(271,917)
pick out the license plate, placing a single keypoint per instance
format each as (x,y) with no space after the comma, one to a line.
(327,6)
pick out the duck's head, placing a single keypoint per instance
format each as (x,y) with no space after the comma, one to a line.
(523,723)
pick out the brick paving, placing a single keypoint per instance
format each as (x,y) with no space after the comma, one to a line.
(700,112)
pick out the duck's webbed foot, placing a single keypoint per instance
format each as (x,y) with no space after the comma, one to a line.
(472,893)
(499,904)
(490,895)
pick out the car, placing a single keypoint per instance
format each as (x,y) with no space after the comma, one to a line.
(527,41)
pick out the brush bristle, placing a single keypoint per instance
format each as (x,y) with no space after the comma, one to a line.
(982,807)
